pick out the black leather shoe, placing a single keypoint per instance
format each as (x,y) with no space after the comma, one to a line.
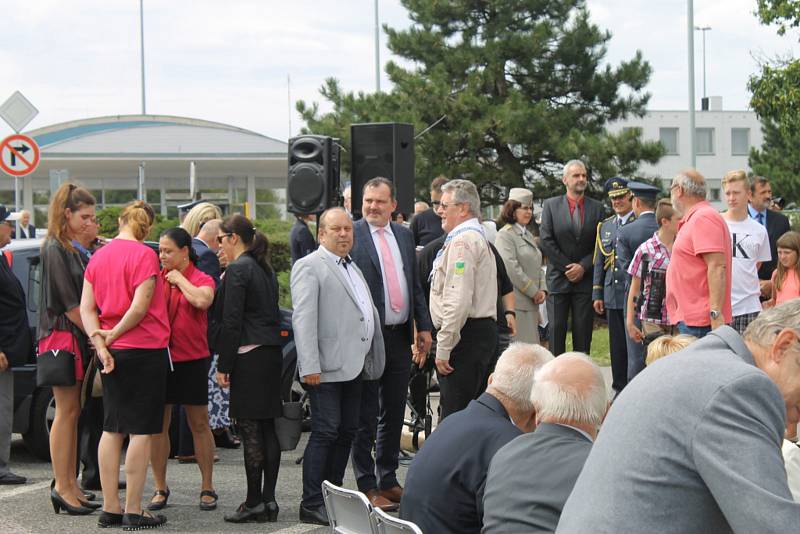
(11,479)
(109,520)
(245,514)
(316,515)
(60,504)
(94,485)
(142,521)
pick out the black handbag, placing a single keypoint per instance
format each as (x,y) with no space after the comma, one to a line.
(55,368)
(289,427)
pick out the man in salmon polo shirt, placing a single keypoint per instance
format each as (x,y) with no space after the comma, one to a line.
(699,272)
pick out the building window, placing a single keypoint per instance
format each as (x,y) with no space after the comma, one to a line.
(714,194)
(704,141)
(740,141)
(669,139)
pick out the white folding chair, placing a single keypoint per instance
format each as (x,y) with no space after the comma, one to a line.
(386,524)
(349,511)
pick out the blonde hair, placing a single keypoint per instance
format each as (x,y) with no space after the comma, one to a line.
(664,345)
(138,216)
(198,216)
(68,196)
(736,176)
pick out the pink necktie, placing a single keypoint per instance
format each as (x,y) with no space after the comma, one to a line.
(390,272)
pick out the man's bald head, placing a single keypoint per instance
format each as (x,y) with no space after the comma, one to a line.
(208,233)
(570,390)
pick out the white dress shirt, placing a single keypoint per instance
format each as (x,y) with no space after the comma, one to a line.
(360,290)
(391,317)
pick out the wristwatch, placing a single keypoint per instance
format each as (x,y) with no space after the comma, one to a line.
(715,314)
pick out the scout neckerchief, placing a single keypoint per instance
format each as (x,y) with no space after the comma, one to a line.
(471,225)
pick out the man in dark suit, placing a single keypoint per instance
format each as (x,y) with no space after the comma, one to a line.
(205,246)
(427,225)
(444,485)
(568,230)
(776,223)
(694,443)
(530,479)
(384,251)
(301,241)
(26,229)
(15,347)
(628,240)
(608,290)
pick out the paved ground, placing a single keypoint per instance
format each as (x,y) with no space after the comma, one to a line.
(27,509)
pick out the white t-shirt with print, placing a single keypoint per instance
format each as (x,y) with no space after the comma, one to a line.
(750,246)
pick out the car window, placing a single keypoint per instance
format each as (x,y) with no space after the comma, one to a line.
(34,283)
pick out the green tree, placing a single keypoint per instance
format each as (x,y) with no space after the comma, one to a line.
(776,100)
(518,86)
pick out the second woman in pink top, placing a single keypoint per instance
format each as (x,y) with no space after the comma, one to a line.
(189,293)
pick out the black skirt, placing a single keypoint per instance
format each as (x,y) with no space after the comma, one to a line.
(187,383)
(134,392)
(256,384)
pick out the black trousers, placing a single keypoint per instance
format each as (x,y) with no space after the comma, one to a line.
(559,306)
(334,421)
(383,406)
(90,429)
(469,360)
(618,347)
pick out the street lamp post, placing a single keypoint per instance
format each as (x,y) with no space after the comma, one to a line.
(704,29)
(692,148)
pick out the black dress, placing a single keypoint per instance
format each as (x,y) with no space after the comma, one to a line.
(246,313)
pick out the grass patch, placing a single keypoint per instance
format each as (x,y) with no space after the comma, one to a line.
(601,352)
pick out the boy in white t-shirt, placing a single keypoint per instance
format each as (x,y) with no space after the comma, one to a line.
(750,248)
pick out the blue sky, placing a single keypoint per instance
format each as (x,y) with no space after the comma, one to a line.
(229,62)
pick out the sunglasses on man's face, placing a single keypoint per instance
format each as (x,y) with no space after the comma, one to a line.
(222,236)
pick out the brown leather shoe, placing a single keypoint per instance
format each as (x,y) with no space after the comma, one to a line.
(378,501)
(393,494)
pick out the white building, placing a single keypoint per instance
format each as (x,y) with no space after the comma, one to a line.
(723,140)
(232,165)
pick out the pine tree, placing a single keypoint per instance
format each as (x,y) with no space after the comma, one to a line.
(519,88)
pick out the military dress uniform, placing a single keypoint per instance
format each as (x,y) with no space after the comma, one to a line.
(608,284)
(463,305)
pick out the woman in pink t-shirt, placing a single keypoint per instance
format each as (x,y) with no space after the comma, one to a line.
(189,293)
(786,278)
(124,309)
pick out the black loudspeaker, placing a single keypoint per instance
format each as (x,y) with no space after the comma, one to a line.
(387,150)
(313,180)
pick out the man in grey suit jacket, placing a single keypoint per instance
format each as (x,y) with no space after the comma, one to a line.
(701,432)
(339,344)
(531,477)
(569,224)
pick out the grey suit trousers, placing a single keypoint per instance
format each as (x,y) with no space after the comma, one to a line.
(6,418)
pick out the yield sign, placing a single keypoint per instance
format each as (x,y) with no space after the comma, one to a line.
(19,155)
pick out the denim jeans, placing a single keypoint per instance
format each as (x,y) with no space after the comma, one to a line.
(696,331)
(334,420)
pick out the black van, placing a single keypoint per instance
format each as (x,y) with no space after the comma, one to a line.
(34,407)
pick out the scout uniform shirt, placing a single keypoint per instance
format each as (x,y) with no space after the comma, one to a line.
(463,284)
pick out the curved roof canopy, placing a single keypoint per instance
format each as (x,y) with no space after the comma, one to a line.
(112,147)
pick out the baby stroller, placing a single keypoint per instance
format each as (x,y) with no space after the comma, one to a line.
(418,400)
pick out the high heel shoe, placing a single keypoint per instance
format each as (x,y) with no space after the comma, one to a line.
(272,511)
(92,505)
(60,504)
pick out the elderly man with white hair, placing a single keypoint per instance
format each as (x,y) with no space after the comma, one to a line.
(531,477)
(444,485)
(702,432)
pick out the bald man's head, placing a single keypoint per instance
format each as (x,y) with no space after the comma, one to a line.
(570,390)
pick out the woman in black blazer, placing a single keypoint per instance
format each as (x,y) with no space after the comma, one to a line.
(246,334)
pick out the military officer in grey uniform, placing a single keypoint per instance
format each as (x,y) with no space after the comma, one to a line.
(608,286)
(628,240)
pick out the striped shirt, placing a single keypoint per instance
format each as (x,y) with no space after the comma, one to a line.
(659,259)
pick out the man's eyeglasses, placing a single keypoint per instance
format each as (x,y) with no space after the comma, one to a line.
(435,203)
(445,206)
(223,236)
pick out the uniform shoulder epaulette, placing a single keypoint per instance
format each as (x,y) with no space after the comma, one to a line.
(609,217)
(505,228)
